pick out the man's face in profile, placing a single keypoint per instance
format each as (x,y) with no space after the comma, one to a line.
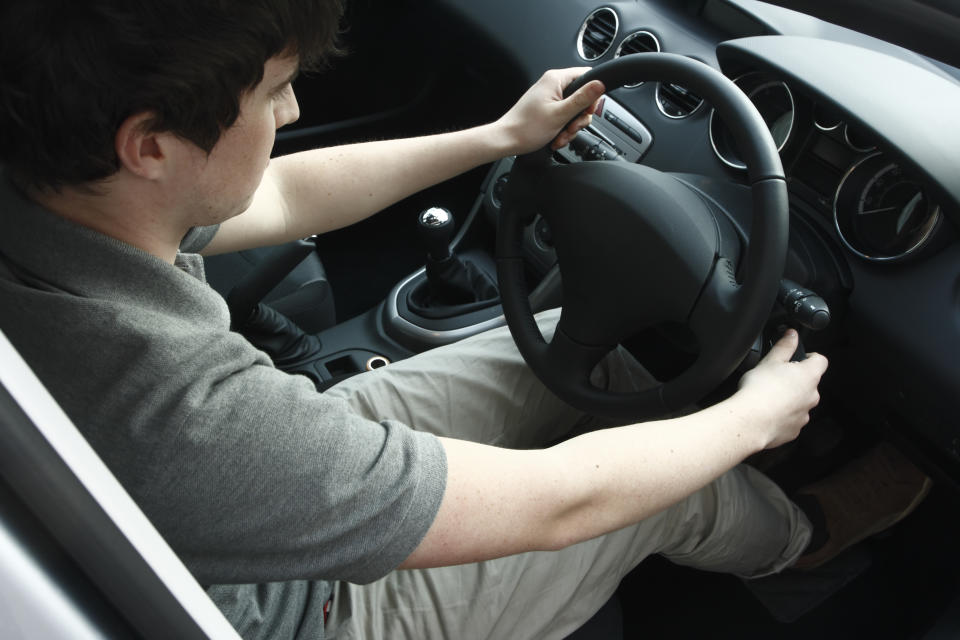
(222,183)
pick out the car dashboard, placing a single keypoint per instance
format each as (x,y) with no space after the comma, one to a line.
(869,144)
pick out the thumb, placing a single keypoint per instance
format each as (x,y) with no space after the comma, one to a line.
(583,99)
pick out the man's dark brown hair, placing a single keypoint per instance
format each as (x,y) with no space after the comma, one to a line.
(71,71)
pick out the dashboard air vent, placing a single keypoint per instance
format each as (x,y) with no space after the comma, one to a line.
(638,42)
(597,33)
(675,101)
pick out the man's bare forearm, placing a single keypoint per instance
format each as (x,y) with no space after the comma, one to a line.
(320,190)
(332,188)
(325,189)
(500,502)
(626,475)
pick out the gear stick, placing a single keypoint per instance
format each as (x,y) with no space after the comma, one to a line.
(436,227)
(451,280)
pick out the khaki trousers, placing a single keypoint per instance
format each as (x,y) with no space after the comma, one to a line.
(480,389)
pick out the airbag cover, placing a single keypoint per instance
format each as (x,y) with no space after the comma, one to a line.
(611,219)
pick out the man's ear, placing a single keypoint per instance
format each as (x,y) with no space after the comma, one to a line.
(141,151)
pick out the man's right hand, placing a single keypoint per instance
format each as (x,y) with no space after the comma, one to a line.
(786,390)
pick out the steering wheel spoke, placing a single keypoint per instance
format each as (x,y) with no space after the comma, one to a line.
(576,360)
(715,309)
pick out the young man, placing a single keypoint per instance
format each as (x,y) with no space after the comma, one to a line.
(135,133)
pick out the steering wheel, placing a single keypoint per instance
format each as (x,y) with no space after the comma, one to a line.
(638,247)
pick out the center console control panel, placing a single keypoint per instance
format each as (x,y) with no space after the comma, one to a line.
(614,134)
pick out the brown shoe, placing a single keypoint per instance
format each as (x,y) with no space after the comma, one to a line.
(868,495)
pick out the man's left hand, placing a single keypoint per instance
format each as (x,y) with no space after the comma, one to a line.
(542,114)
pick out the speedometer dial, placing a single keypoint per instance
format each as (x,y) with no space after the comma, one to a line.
(772,99)
(881,212)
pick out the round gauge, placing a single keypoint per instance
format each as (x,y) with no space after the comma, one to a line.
(881,212)
(826,118)
(772,99)
(857,140)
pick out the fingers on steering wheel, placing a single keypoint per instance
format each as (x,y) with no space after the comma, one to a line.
(589,97)
(571,130)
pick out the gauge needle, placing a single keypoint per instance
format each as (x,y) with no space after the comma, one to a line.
(863,213)
(908,211)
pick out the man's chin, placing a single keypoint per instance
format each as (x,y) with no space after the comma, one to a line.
(233,211)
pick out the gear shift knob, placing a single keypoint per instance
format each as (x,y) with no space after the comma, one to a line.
(436,227)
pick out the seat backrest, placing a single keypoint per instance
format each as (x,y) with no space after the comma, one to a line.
(302,293)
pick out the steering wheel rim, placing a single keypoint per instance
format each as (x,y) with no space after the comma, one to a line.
(726,316)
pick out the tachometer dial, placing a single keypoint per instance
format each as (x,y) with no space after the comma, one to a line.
(881,212)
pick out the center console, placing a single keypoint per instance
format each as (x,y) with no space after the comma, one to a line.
(614,135)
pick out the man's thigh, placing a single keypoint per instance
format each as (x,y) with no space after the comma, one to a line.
(477,389)
(535,596)
(480,389)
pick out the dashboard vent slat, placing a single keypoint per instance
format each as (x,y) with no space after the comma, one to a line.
(638,42)
(675,101)
(597,33)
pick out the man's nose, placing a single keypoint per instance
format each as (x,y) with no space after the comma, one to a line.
(289,110)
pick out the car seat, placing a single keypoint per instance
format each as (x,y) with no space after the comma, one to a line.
(303,293)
